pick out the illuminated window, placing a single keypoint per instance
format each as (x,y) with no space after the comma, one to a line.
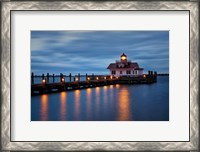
(123,58)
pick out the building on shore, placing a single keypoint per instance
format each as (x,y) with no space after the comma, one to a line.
(124,67)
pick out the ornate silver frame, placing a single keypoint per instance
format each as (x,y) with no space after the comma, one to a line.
(8,6)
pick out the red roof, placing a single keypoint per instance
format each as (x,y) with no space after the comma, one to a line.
(129,65)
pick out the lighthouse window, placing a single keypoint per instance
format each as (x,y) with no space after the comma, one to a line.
(135,72)
(113,72)
(128,72)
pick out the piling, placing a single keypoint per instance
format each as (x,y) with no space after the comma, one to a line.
(44,82)
(86,77)
(79,77)
(47,77)
(149,73)
(152,73)
(93,76)
(61,76)
(155,76)
(53,78)
(70,77)
(32,78)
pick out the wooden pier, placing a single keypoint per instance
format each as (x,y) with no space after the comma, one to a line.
(90,82)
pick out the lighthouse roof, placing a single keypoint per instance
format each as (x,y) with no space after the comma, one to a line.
(124,55)
(131,65)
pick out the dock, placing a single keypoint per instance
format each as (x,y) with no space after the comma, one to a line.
(90,82)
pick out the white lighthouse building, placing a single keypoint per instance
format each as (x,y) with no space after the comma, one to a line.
(125,67)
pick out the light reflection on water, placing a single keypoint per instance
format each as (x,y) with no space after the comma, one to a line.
(117,86)
(77,103)
(106,103)
(44,107)
(105,96)
(124,104)
(63,109)
(88,100)
(97,101)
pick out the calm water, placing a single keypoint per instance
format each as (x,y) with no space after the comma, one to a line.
(144,102)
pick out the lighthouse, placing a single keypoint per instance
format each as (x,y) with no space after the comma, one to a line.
(124,67)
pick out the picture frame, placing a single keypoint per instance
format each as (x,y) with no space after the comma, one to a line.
(7,7)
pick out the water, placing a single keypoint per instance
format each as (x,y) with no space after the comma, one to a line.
(144,102)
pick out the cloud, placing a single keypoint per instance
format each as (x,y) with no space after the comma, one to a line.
(40,42)
(92,51)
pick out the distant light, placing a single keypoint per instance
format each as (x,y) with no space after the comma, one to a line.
(97,78)
(123,58)
(63,79)
(88,78)
(76,79)
(44,81)
(111,77)
(105,78)
(144,76)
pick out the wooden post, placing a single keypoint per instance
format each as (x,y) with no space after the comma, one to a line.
(149,73)
(42,76)
(93,76)
(44,82)
(53,78)
(32,78)
(47,77)
(74,78)
(70,77)
(61,76)
(86,77)
(155,76)
(79,77)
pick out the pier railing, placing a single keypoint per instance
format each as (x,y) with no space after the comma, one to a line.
(88,81)
(39,79)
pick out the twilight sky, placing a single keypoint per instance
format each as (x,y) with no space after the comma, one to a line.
(92,51)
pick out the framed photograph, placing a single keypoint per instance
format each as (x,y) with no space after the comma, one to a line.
(110,75)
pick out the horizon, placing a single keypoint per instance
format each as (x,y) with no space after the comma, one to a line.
(74,52)
(82,74)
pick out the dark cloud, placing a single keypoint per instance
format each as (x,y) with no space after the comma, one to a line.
(92,51)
